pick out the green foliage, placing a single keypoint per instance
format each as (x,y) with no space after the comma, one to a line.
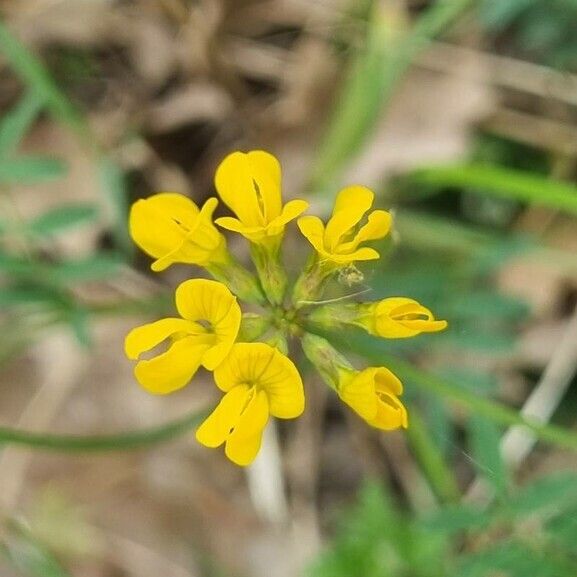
(376,540)
(543,30)
(30,557)
(374,74)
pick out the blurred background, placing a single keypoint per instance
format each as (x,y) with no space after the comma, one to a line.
(461,115)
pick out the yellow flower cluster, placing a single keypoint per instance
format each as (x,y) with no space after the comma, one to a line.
(258,379)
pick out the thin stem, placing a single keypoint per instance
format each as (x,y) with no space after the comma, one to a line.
(102,443)
(431,460)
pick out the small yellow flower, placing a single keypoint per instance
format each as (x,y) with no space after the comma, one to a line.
(250,185)
(373,394)
(170,227)
(339,241)
(258,381)
(398,317)
(203,336)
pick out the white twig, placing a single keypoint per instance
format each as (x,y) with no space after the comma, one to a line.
(518,441)
(266,481)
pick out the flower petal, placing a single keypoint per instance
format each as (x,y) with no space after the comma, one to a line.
(266,172)
(246,363)
(386,381)
(147,336)
(154,225)
(358,391)
(208,300)
(363,253)
(313,230)
(378,226)
(350,206)
(173,369)
(244,442)
(290,211)
(391,414)
(284,387)
(216,428)
(234,182)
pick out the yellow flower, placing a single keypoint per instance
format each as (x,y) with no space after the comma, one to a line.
(203,336)
(373,394)
(170,227)
(258,381)
(339,241)
(398,317)
(250,185)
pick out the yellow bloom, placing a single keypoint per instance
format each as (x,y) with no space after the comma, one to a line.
(170,227)
(339,241)
(203,336)
(250,185)
(258,381)
(373,395)
(398,317)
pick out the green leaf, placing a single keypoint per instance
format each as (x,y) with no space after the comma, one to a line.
(453,519)
(485,439)
(30,170)
(114,185)
(552,492)
(16,123)
(374,76)
(63,217)
(513,560)
(502,182)
(15,296)
(94,267)
(563,528)
(35,74)
(30,557)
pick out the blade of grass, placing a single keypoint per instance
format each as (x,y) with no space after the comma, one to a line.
(431,460)
(36,76)
(375,74)
(102,443)
(503,183)
(16,123)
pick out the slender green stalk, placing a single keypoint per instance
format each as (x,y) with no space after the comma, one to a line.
(375,74)
(102,443)
(431,460)
(482,405)
(35,74)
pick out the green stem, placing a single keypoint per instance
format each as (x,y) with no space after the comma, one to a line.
(431,460)
(267,261)
(482,405)
(101,443)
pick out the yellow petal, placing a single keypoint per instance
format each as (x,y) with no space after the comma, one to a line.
(145,337)
(358,391)
(386,381)
(266,173)
(391,414)
(290,211)
(244,442)
(252,233)
(378,226)
(153,224)
(284,387)
(350,206)
(173,369)
(235,184)
(203,299)
(399,317)
(245,363)
(313,230)
(363,253)
(217,426)
(211,301)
